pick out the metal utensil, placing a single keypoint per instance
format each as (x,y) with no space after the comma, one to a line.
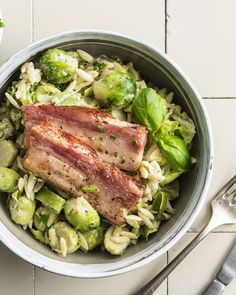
(226,274)
(223,212)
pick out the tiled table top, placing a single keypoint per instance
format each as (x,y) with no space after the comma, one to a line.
(199,36)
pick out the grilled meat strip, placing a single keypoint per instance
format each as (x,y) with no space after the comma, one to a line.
(69,164)
(117,142)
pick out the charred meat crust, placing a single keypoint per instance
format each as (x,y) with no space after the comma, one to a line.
(117,142)
(116,190)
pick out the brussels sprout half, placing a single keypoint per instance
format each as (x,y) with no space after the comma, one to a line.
(21,208)
(44,218)
(8,179)
(94,237)
(81,214)
(63,238)
(58,66)
(115,89)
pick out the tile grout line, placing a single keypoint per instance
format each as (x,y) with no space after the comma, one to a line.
(225,97)
(167,279)
(32,21)
(33,280)
(213,232)
(165,26)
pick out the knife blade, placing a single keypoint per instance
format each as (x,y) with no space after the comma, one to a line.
(225,275)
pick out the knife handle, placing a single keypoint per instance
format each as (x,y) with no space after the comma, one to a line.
(215,288)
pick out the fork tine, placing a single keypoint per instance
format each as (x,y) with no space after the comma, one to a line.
(226,187)
(228,194)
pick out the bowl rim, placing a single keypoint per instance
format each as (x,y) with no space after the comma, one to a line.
(50,264)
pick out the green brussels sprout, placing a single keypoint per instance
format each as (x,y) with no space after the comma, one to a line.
(111,246)
(21,208)
(94,237)
(8,153)
(45,92)
(73,99)
(38,235)
(58,66)
(15,116)
(116,88)
(63,238)
(81,214)
(8,179)
(118,114)
(6,128)
(73,54)
(44,218)
(25,92)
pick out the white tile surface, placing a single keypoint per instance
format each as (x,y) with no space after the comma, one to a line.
(223,119)
(17,31)
(200,39)
(129,17)
(16,276)
(126,284)
(193,275)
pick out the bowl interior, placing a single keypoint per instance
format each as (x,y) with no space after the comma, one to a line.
(153,67)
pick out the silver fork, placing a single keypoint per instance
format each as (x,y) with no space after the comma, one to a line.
(223,212)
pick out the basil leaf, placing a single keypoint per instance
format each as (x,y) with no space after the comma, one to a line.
(149,108)
(175,151)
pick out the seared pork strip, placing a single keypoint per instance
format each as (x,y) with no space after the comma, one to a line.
(117,142)
(69,164)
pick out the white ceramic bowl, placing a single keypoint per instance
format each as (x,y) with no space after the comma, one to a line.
(154,66)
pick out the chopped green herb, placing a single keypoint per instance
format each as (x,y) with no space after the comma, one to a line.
(89,189)
(115,154)
(100,128)
(122,161)
(134,142)
(44,218)
(112,136)
(98,65)
(99,150)
(100,138)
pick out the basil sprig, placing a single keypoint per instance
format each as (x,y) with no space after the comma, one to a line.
(149,108)
(175,150)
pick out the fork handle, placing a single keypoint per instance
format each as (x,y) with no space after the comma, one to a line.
(151,286)
(215,288)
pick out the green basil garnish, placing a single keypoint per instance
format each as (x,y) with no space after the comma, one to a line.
(149,108)
(175,151)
